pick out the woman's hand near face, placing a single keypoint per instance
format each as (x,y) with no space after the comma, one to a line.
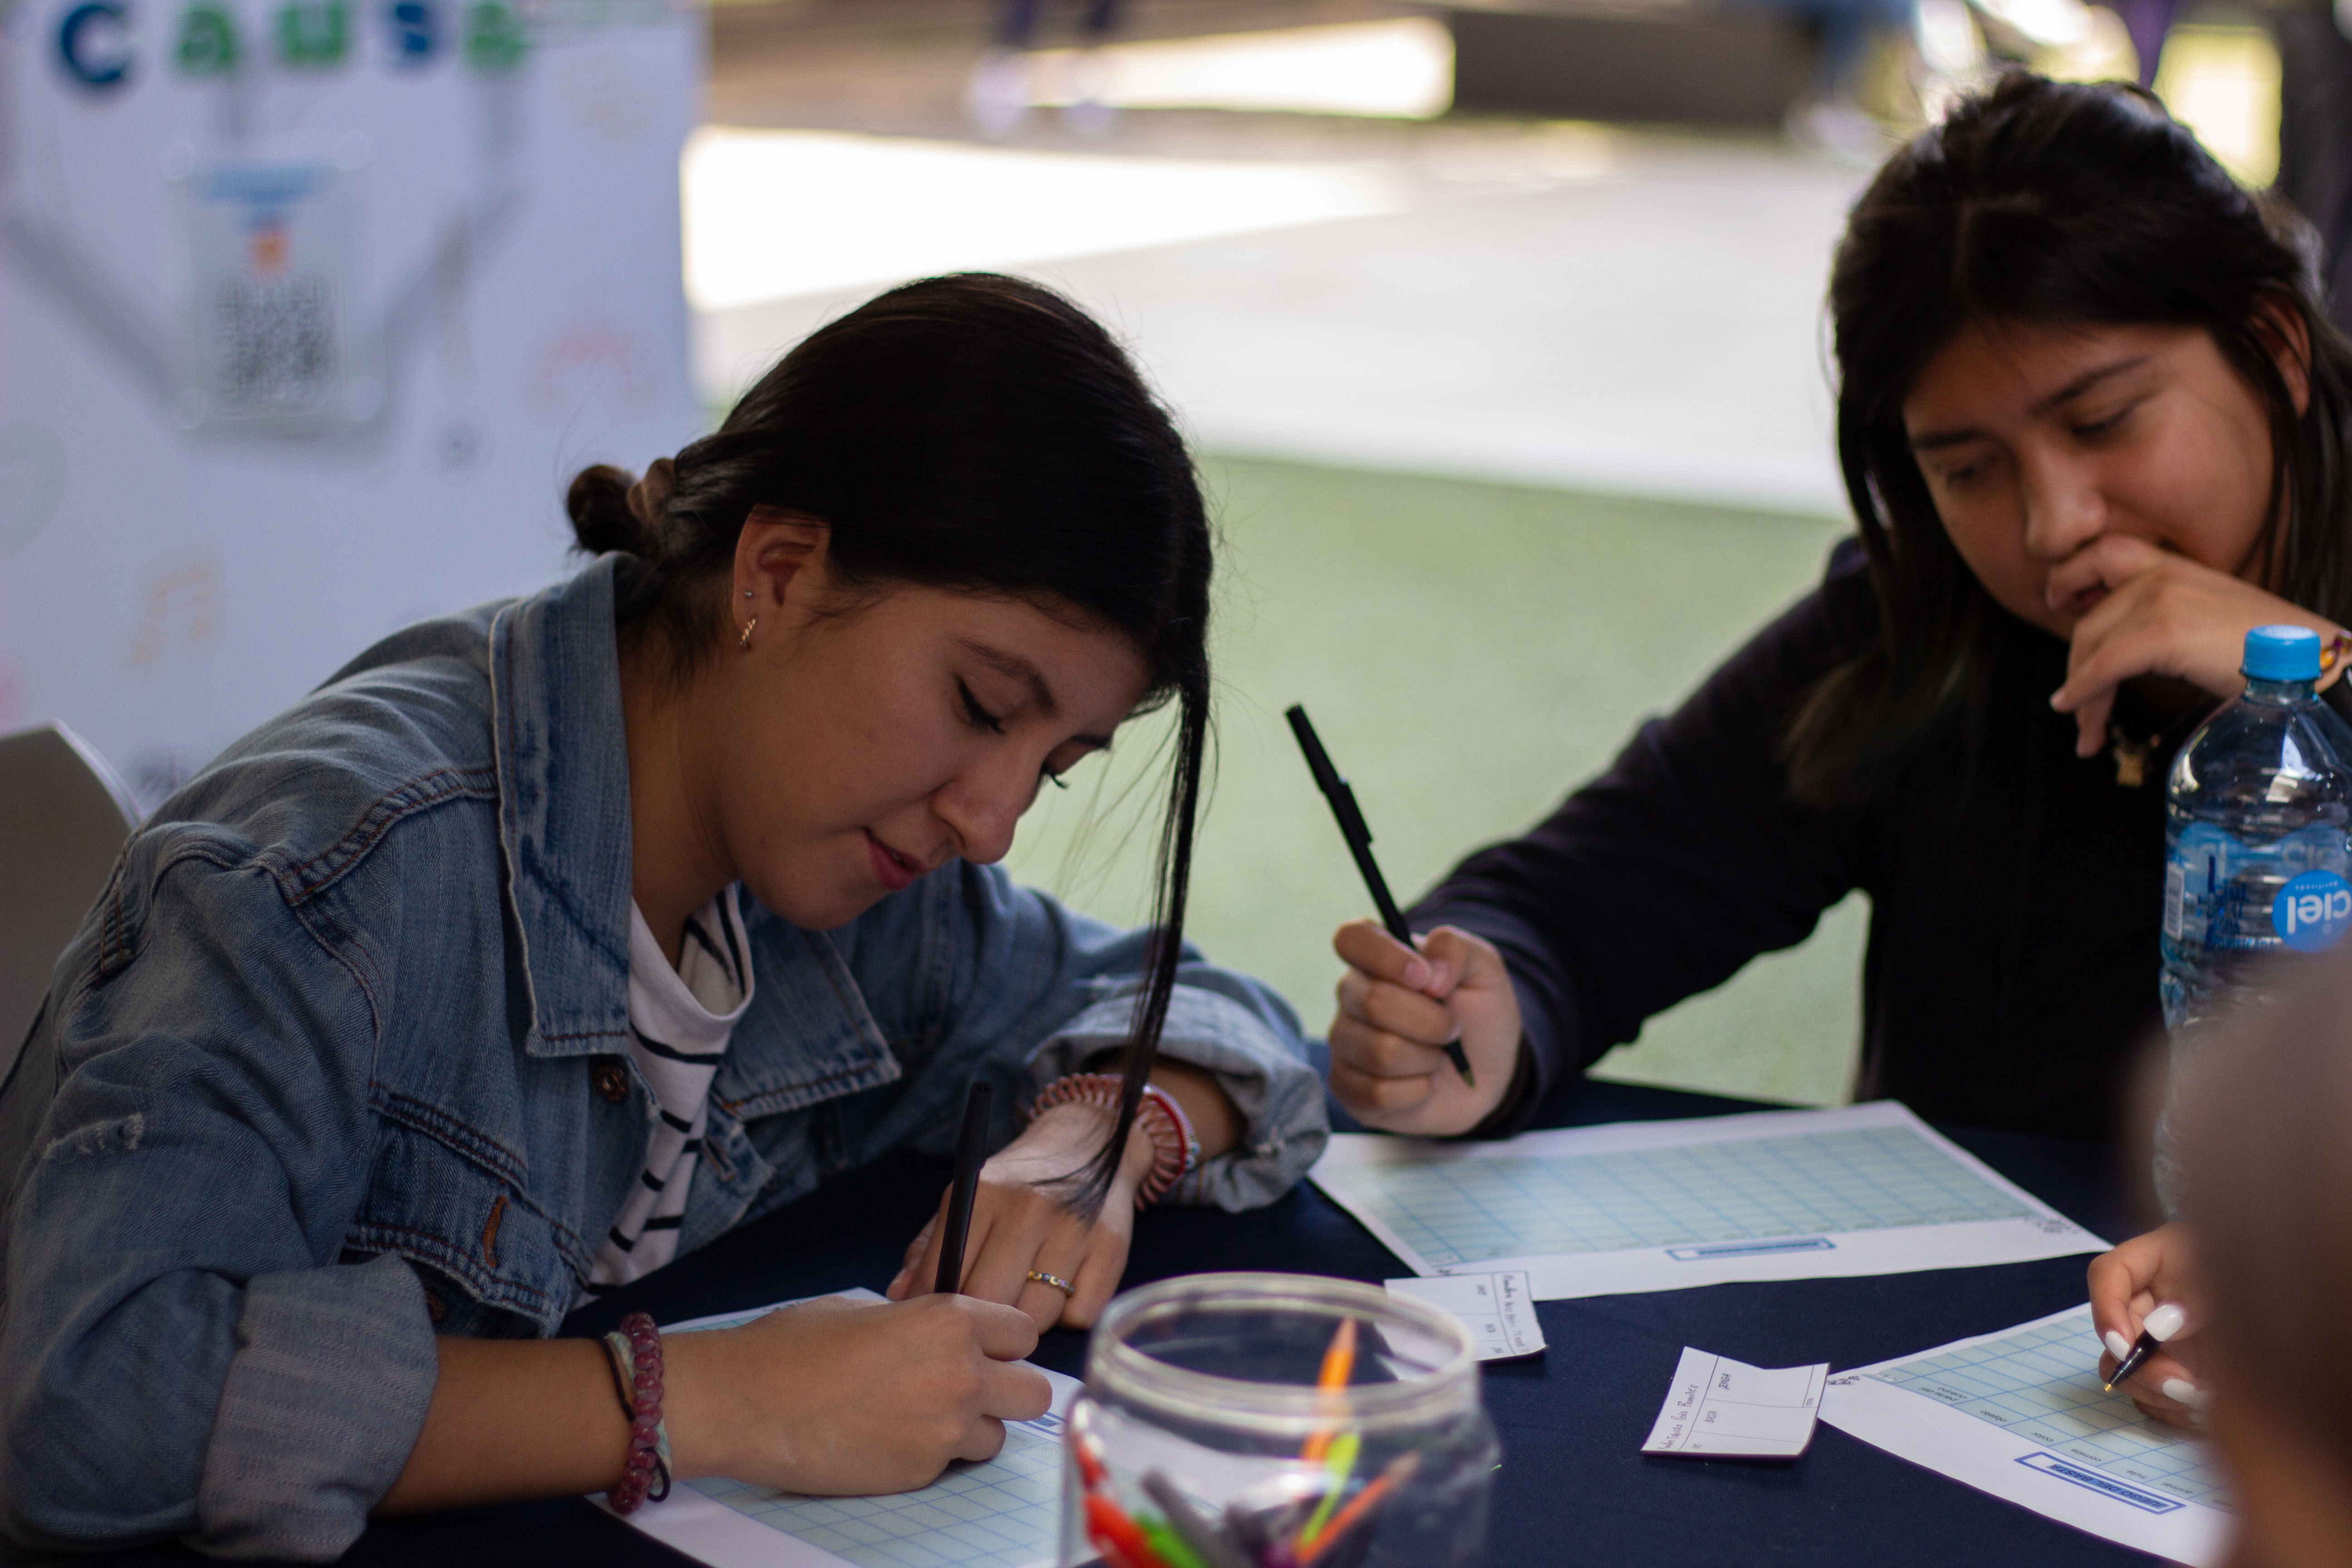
(1398,1008)
(2163,614)
(838,1397)
(1019,1223)
(2127,1285)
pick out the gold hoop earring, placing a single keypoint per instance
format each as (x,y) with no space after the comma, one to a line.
(744,642)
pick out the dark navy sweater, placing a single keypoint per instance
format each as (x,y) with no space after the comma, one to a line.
(2010,978)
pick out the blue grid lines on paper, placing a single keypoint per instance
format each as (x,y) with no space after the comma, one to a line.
(2041,1383)
(1005,1513)
(1456,1211)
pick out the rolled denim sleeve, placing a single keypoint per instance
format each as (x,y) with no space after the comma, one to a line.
(293,1466)
(1012,986)
(184,1352)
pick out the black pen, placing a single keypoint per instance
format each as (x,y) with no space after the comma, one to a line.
(2160,1325)
(1359,834)
(972,1148)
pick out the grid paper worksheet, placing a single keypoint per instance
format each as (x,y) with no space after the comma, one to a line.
(1664,1205)
(1005,1513)
(1867,1179)
(2019,1414)
(2040,1382)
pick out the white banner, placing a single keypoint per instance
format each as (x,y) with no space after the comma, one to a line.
(309,309)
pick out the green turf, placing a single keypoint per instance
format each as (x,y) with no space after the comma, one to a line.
(1468,652)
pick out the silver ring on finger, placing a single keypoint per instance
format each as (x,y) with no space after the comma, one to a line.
(1055,1280)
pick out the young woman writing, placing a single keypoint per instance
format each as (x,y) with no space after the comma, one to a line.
(553,938)
(2093,426)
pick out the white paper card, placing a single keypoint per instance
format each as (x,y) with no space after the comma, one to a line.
(1499,1309)
(736,1319)
(1727,1409)
(1662,1206)
(2020,1414)
(1003,1514)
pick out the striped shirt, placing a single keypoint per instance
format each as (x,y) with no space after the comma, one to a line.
(679,1021)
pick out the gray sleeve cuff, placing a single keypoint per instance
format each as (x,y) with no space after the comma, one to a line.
(1278,1095)
(325,1396)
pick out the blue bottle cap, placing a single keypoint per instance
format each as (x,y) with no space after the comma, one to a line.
(2282,653)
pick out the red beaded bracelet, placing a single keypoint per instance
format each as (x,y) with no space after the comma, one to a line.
(636,1355)
(2332,659)
(1176,1152)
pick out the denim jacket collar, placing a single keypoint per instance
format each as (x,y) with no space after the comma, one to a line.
(563,811)
(564,829)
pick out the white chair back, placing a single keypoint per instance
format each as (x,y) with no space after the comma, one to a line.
(64,816)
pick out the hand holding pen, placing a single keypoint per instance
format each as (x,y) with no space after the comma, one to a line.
(2137,1294)
(1001,1232)
(1359,834)
(1427,1035)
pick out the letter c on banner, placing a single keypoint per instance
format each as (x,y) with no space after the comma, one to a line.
(94,44)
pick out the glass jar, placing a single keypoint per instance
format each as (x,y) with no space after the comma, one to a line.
(1275,1421)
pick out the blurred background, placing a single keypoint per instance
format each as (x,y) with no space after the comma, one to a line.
(1498,329)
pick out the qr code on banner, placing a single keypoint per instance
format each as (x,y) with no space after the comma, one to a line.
(274,343)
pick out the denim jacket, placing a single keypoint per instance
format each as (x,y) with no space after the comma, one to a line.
(339,1060)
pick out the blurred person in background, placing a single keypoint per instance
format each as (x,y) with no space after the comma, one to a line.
(1000,88)
(1847,35)
(2094,426)
(2149,23)
(2263,1266)
(2315,167)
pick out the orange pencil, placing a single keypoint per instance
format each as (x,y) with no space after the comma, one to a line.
(1339,1366)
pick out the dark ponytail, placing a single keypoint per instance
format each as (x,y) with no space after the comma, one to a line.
(602,522)
(2047,204)
(975,433)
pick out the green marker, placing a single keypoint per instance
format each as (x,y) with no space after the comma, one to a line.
(1166,1545)
(1337,1465)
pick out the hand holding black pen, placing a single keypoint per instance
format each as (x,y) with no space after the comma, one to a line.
(1359,834)
(972,1148)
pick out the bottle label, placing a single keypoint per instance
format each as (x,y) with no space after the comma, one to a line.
(2313,911)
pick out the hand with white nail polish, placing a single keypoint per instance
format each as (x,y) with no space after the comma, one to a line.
(2141,1285)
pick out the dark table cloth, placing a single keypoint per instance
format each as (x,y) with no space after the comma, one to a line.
(1574,1485)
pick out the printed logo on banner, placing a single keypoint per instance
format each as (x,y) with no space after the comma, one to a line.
(313,35)
(97,45)
(598,94)
(181,611)
(94,45)
(592,360)
(251,317)
(208,42)
(496,41)
(2313,911)
(32,482)
(275,249)
(416,30)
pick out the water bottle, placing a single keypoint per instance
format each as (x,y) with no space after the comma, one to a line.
(2257,851)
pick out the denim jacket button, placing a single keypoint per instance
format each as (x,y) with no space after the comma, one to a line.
(612,1080)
